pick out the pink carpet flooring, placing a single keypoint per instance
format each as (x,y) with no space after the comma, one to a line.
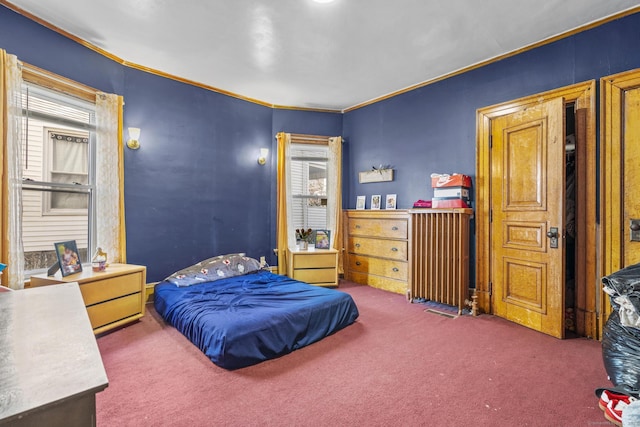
(397,365)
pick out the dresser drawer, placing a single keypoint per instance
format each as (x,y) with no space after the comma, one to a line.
(114,310)
(316,275)
(315,260)
(388,228)
(113,287)
(392,249)
(384,283)
(380,267)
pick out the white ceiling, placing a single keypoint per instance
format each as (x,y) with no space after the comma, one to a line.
(298,53)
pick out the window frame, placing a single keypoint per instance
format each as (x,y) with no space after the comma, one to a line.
(32,75)
(306,159)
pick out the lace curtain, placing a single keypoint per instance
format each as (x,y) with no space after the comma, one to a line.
(13,166)
(108,194)
(334,187)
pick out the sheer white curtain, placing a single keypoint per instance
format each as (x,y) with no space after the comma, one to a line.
(291,237)
(334,187)
(107,195)
(13,90)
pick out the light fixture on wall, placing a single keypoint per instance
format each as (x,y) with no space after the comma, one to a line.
(264,152)
(134,134)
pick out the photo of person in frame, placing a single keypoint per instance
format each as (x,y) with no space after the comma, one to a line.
(322,239)
(68,258)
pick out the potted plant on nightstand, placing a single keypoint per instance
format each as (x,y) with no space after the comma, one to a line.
(302,237)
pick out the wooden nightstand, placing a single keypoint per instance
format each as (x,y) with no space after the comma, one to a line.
(314,266)
(112,297)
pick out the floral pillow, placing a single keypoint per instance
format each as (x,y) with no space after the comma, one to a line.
(213,269)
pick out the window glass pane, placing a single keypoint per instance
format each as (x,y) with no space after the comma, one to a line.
(309,185)
(57,177)
(40,233)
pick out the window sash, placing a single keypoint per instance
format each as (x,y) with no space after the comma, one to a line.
(45,111)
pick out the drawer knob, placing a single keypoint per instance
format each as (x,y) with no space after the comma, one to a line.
(394,228)
(358,263)
(357,245)
(395,269)
(357,225)
(394,249)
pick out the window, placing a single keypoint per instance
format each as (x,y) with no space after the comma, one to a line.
(309,189)
(58,142)
(309,186)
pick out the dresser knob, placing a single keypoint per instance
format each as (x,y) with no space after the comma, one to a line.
(394,228)
(357,226)
(358,263)
(394,249)
(395,269)
(357,245)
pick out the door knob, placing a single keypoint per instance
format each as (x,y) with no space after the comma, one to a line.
(552,234)
(634,226)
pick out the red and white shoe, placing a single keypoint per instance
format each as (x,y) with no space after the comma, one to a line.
(613,411)
(608,395)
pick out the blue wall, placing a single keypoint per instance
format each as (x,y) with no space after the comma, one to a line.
(194,189)
(432,129)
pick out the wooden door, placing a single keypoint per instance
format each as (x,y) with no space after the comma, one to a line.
(527,216)
(620,173)
(631,167)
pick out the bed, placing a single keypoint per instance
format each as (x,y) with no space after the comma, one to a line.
(238,314)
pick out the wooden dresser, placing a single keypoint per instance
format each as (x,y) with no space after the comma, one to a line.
(50,368)
(377,248)
(112,297)
(314,266)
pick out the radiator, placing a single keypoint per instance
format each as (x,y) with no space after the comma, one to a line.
(440,256)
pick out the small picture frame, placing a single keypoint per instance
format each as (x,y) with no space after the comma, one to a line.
(375,201)
(323,239)
(68,258)
(360,201)
(390,201)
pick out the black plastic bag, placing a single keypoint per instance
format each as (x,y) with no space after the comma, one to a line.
(625,282)
(621,354)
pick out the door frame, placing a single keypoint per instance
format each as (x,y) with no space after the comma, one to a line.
(587,294)
(612,89)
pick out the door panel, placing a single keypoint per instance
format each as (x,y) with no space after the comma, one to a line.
(620,171)
(631,168)
(527,187)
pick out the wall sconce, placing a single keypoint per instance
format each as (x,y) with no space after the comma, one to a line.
(264,152)
(134,134)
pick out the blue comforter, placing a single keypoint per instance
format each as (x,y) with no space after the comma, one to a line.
(243,320)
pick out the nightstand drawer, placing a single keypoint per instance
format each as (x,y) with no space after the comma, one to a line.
(114,310)
(316,275)
(315,260)
(114,287)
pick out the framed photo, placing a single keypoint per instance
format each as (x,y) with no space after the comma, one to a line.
(375,201)
(68,258)
(323,239)
(360,202)
(391,201)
